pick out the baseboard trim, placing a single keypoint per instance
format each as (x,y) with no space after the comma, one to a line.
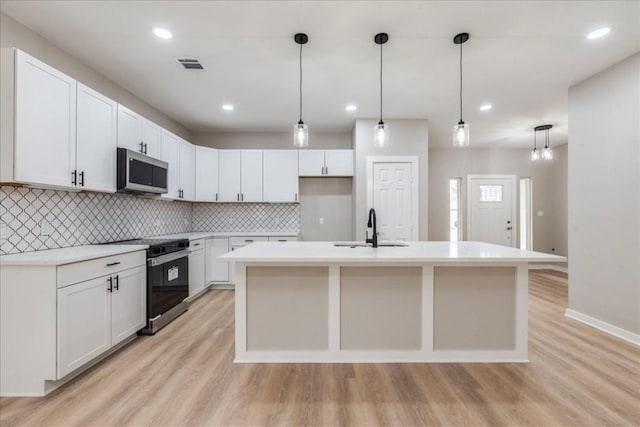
(548,267)
(604,326)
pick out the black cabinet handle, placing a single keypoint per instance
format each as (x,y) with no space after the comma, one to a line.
(110,288)
(242,197)
(145,148)
(74,176)
(216,197)
(82,178)
(238,196)
(196,244)
(249,241)
(117,281)
(142,147)
(296,197)
(111,264)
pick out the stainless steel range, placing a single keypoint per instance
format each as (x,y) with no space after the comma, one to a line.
(167,280)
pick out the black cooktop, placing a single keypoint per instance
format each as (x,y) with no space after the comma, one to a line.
(157,247)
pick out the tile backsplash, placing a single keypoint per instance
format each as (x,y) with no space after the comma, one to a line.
(35,219)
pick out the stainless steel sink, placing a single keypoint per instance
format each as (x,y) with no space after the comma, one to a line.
(364,245)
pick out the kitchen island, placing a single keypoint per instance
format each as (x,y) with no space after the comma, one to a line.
(423,302)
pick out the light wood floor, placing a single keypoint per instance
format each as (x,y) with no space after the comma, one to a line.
(185,375)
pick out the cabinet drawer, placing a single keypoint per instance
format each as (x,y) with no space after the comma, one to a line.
(283,238)
(85,270)
(196,245)
(241,241)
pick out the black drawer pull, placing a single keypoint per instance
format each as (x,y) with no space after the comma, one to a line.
(196,244)
(249,241)
(111,264)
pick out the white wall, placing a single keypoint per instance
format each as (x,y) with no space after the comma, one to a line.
(270,140)
(549,188)
(604,196)
(406,138)
(14,34)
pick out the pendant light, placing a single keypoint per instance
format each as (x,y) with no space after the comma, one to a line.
(546,153)
(461,130)
(381,130)
(300,129)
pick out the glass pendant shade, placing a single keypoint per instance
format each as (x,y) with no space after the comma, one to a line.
(461,134)
(300,135)
(535,155)
(547,154)
(381,135)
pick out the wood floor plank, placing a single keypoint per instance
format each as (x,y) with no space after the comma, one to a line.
(185,376)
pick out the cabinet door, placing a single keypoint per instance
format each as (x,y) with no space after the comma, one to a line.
(129,129)
(196,272)
(128,303)
(171,155)
(280,175)
(251,176)
(84,325)
(311,162)
(206,174)
(187,170)
(96,140)
(229,175)
(45,123)
(339,162)
(215,269)
(152,138)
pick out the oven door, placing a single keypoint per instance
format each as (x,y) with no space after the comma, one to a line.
(167,282)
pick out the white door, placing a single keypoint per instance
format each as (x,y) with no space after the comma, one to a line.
(187,170)
(84,325)
(310,162)
(393,200)
(45,123)
(196,272)
(338,162)
(96,140)
(491,207)
(280,175)
(229,175)
(129,129)
(215,269)
(206,174)
(251,176)
(152,138)
(128,303)
(171,155)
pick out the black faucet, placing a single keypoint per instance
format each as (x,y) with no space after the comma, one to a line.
(372,224)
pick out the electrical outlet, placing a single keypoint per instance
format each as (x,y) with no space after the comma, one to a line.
(3,231)
(45,228)
(230,220)
(540,213)
(157,223)
(321,221)
(276,221)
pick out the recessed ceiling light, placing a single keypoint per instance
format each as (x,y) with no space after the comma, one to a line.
(351,107)
(486,107)
(162,33)
(228,107)
(600,32)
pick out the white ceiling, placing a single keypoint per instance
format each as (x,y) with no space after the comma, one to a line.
(522,57)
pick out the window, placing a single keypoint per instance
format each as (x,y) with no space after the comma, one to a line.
(454,209)
(490,193)
(525,214)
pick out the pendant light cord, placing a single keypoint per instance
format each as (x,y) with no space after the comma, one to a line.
(301,83)
(460,81)
(381,82)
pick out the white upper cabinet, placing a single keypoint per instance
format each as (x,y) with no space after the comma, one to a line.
(96,141)
(229,173)
(338,162)
(43,145)
(137,133)
(187,171)
(325,162)
(206,174)
(171,155)
(280,175)
(251,176)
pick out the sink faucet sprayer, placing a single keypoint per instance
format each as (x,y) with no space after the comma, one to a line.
(372,224)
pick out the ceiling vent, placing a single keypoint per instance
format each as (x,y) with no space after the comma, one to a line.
(190,64)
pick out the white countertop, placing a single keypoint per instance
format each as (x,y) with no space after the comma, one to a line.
(204,234)
(445,252)
(68,255)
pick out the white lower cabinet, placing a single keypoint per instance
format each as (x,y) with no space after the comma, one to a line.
(197,270)
(216,270)
(128,304)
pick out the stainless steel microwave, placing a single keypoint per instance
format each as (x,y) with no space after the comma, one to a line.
(141,174)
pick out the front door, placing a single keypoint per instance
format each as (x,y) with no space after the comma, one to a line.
(491,207)
(393,200)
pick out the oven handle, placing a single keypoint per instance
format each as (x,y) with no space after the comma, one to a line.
(167,258)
